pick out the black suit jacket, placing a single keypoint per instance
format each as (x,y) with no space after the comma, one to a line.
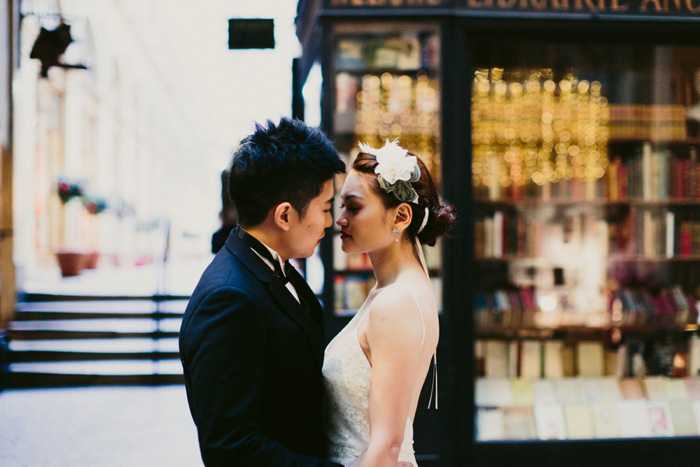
(252,362)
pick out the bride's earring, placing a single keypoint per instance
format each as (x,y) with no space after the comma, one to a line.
(396,235)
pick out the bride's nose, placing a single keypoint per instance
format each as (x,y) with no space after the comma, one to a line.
(341,221)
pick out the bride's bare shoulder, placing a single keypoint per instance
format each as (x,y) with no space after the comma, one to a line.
(397,299)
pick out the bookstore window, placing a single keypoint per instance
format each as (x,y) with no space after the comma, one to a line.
(586,186)
(386,87)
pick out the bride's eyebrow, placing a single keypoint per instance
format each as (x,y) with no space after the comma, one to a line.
(351,196)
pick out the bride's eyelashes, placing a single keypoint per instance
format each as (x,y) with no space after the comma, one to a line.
(349,208)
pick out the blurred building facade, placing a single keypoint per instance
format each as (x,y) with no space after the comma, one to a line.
(6,64)
(113,134)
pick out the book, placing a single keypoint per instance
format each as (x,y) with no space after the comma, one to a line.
(609,390)
(605,420)
(646,171)
(696,412)
(569,391)
(660,418)
(670,237)
(544,391)
(519,423)
(590,392)
(489,424)
(531,359)
(590,359)
(553,359)
(523,393)
(633,418)
(513,358)
(675,389)
(493,392)
(692,386)
(496,359)
(498,234)
(550,422)
(655,388)
(683,419)
(579,421)
(631,388)
(568,356)
(694,356)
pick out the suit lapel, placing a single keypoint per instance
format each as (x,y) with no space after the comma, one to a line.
(311,322)
(306,294)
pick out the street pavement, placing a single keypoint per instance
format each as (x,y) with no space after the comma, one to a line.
(96,427)
(103,426)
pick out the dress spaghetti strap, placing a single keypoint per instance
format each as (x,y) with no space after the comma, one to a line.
(434,385)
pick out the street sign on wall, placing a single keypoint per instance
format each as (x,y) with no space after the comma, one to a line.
(251,34)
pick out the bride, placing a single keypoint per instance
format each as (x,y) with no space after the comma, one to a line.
(375,367)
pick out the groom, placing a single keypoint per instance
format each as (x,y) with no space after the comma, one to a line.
(251,341)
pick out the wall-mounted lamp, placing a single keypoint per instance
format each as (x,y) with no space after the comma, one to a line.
(50,45)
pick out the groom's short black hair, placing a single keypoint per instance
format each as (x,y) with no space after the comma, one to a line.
(288,161)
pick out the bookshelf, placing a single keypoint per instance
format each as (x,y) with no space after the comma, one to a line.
(587,253)
(386,86)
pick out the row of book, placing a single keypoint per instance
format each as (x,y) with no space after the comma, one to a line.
(525,234)
(517,307)
(662,233)
(586,408)
(654,175)
(651,175)
(622,419)
(560,358)
(350,292)
(651,232)
(639,121)
(668,306)
(408,51)
(521,392)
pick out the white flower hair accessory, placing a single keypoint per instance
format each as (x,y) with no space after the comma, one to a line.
(395,171)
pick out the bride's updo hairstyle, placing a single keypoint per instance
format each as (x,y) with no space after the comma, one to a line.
(440,216)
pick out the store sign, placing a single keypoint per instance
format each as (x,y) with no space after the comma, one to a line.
(627,7)
(389,3)
(624,7)
(251,34)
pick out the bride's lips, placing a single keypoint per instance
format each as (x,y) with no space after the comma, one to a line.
(344,235)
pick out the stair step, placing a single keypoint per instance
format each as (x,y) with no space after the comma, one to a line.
(37,380)
(92,342)
(60,334)
(93,349)
(101,367)
(99,325)
(96,345)
(104,305)
(98,309)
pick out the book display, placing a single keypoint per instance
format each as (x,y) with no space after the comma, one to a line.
(587,245)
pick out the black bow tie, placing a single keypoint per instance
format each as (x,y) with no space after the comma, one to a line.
(257,246)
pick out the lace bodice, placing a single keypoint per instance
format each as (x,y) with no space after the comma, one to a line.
(346,376)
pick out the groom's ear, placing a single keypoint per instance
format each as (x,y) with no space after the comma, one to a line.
(281,215)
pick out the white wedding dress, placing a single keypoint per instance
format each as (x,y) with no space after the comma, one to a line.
(346,376)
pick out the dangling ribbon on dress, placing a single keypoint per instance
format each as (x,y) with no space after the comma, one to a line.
(421,257)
